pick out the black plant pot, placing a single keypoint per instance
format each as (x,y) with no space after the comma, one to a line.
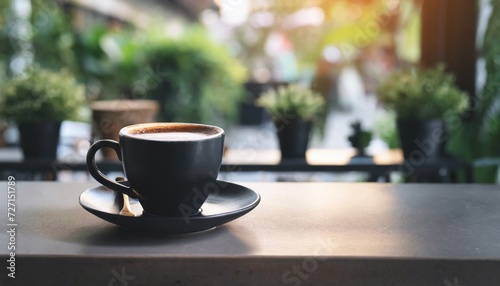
(250,114)
(422,139)
(293,136)
(39,140)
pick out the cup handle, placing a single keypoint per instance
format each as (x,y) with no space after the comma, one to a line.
(98,175)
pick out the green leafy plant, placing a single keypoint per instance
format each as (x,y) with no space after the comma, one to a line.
(292,100)
(53,37)
(41,96)
(50,35)
(6,49)
(111,58)
(422,94)
(478,138)
(193,78)
(385,128)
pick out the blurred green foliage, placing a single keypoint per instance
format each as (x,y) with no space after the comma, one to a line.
(385,128)
(50,34)
(292,100)
(41,95)
(6,47)
(349,25)
(47,91)
(53,38)
(194,79)
(488,116)
(480,136)
(423,94)
(109,60)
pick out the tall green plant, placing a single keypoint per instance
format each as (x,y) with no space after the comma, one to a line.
(51,35)
(479,137)
(112,58)
(6,50)
(53,38)
(488,116)
(194,79)
(8,46)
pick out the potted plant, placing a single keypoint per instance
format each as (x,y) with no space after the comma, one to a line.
(193,78)
(293,109)
(38,101)
(422,98)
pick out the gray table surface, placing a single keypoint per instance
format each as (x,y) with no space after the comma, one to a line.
(300,234)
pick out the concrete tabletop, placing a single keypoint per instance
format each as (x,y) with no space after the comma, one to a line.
(300,234)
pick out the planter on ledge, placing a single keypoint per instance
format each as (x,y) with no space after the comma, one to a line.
(39,140)
(109,116)
(293,135)
(422,139)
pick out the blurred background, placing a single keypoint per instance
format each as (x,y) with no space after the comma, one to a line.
(208,62)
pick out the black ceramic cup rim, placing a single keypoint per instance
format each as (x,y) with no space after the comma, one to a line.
(211,131)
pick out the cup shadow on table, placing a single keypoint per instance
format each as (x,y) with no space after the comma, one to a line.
(92,232)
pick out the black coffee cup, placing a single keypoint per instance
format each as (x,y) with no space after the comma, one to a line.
(170,167)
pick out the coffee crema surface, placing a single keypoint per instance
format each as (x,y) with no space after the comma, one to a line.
(171,136)
(168,132)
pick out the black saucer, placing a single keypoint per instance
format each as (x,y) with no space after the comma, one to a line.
(231,202)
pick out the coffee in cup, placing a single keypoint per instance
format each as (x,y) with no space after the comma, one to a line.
(170,167)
